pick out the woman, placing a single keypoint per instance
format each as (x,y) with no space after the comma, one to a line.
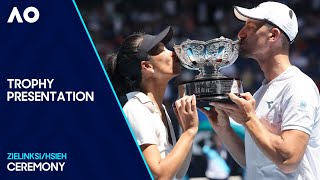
(141,70)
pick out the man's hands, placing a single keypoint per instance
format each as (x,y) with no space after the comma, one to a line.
(216,117)
(243,109)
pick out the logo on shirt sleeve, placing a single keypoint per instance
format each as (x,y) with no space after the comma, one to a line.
(269,104)
(303,105)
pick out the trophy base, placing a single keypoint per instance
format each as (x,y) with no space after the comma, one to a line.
(204,101)
(213,89)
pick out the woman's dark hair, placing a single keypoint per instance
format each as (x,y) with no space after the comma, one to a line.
(124,68)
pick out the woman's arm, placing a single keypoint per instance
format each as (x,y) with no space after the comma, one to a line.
(168,167)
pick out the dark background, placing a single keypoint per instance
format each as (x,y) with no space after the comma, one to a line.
(110,21)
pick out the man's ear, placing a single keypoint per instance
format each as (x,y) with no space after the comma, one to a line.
(275,34)
(146,65)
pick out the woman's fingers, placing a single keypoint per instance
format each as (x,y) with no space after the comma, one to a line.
(188,104)
(183,103)
(194,103)
(178,104)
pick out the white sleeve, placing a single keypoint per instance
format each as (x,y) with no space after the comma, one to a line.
(140,121)
(300,108)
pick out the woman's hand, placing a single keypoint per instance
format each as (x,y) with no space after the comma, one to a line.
(187,114)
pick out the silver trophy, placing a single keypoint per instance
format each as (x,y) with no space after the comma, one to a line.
(209,57)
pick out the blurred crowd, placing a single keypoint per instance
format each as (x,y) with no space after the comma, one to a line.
(110,21)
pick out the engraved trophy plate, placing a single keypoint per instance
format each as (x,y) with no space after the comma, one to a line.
(209,57)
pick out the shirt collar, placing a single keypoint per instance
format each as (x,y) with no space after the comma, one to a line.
(144,99)
(282,76)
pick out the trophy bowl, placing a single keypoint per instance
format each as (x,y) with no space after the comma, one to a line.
(209,57)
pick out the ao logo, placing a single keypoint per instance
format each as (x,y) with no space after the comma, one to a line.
(15,14)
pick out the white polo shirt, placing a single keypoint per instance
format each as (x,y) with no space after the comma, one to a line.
(290,101)
(146,123)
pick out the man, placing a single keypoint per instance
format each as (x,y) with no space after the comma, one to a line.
(282,139)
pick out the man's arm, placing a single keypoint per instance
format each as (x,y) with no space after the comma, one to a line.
(234,145)
(221,124)
(285,150)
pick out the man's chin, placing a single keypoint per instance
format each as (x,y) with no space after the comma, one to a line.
(244,53)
